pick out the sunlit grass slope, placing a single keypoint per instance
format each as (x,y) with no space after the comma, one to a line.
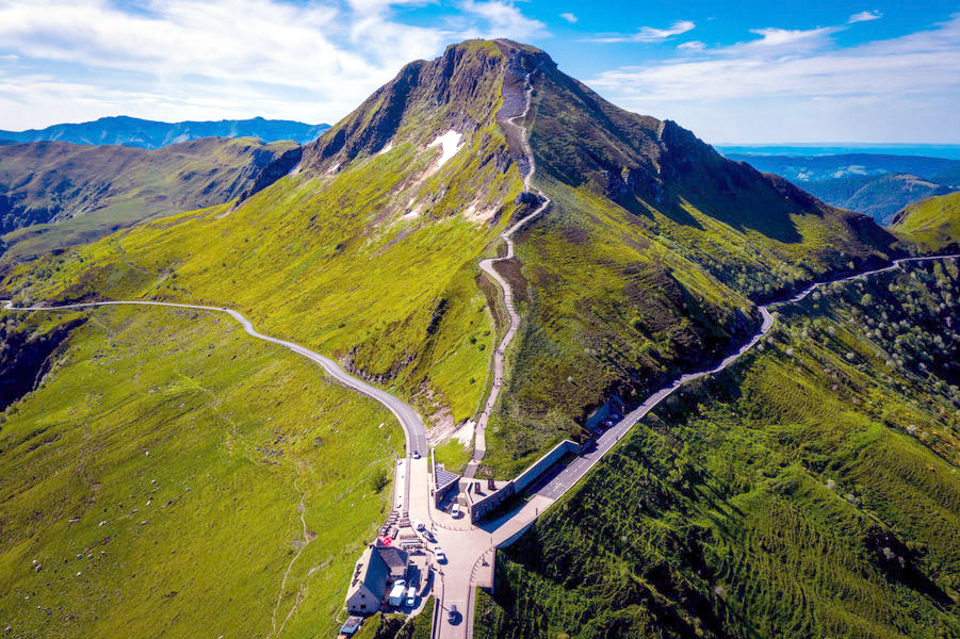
(54,194)
(933,223)
(812,490)
(648,262)
(161,480)
(346,264)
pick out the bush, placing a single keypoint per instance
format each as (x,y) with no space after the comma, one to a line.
(379,479)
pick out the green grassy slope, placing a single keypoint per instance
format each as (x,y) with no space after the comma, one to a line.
(155,483)
(811,490)
(932,224)
(648,262)
(366,255)
(55,194)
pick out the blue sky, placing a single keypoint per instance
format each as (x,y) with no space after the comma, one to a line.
(739,72)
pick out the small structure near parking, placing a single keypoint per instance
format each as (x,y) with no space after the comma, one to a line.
(379,565)
(351,626)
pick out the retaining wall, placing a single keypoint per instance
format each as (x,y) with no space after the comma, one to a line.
(488,504)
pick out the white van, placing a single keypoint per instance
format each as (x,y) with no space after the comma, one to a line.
(396,595)
(455,512)
(418,525)
(411,596)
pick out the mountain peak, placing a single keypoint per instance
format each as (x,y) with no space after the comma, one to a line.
(463,90)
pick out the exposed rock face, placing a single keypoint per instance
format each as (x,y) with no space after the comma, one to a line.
(267,168)
(461,91)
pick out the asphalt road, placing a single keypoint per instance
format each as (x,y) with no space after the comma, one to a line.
(579,467)
(413,427)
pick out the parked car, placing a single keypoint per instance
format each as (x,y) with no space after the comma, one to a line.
(452,615)
(438,553)
(455,511)
(411,596)
(418,525)
(416,454)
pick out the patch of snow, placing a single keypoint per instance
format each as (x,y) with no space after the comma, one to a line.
(333,169)
(385,149)
(450,142)
(464,434)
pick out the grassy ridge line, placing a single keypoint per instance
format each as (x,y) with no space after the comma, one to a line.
(487,265)
(64,194)
(933,223)
(409,420)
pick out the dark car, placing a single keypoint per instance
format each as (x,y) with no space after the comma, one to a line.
(453,617)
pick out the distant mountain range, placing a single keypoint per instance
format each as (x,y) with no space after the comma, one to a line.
(948,151)
(55,194)
(150,134)
(877,184)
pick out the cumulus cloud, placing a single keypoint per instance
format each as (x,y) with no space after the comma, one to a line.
(646,34)
(569,17)
(194,58)
(864,16)
(504,19)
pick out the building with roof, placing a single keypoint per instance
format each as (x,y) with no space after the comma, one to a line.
(395,560)
(379,565)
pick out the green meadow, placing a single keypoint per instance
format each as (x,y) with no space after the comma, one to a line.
(172,474)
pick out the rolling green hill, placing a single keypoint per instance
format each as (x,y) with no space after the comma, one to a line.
(880,196)
(55,194)
(875,184)
(169,472)
(933,224)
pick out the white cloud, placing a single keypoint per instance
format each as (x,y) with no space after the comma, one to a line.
(693,45)
(569,17)
(864,16)
(803,72)
(504,20)
(647,34)
(771,38)
(177,59)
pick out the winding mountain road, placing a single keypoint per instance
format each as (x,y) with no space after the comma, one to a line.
(474,547)
(471,549)
(413,428)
